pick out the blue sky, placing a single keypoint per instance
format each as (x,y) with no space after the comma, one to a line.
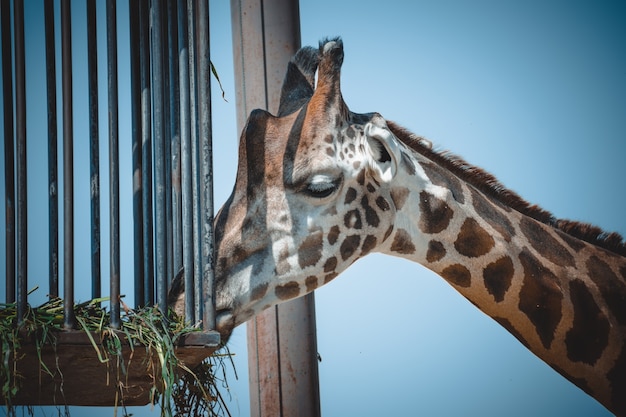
(534,92)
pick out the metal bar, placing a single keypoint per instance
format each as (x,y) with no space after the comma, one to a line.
(69,320)
(9,151)
(185,163)
(159,154)
(114,168)
(195,171)
(20,146)
(146,152)
(203,62)
(174,127)
(94,148)
(167,147)
(135,97)
(53,186)
(281,341)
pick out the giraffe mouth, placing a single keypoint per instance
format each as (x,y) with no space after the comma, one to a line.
(224,324)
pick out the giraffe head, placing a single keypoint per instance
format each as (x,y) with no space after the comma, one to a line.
(312,193)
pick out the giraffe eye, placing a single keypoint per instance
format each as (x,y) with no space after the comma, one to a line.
(322,186)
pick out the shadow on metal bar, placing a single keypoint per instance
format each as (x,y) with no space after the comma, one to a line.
(171,160)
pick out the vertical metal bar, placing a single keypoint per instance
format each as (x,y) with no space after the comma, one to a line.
(146,152)
(174,123)
(20,145)
(185,162)
(69,320)
(114,169)
(159,154)
(135,97)
(195,170)
(9,151)
(281,341)
(203,61)
(167,147)
(53,196)
(94,148)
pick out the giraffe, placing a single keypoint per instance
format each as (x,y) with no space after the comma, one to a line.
(319,187)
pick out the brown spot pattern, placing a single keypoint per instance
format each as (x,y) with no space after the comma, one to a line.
(444,179)
(435,213)
(259,291)
(282,266)
(369,243)
(435,251)
(611,287)
(457,274)
(573,243)
(288,291)
(333,234)
(589,335)
(310,252)
(617,377)
(498,276)
(402,243)
(388,233)
(350,195)
(382,203)
(398,196)
(540,298)
(311,283)
(360,178)
(330,264)
(371,217)
(352,219)
(349,246)
(330,277)
(545,243)
(473,241)
(492,214)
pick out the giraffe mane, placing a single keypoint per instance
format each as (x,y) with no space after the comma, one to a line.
(489,185)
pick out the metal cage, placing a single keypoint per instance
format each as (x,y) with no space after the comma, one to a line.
(172,187)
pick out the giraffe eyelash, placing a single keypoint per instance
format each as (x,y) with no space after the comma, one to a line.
(322,186)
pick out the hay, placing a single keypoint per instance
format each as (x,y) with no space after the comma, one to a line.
(176,388)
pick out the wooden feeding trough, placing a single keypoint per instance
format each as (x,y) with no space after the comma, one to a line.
(73,372)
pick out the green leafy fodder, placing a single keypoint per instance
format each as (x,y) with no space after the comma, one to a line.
(178,389)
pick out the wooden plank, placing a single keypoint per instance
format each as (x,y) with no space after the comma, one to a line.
(80,378)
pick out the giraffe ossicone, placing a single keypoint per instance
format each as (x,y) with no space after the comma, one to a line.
(319,187)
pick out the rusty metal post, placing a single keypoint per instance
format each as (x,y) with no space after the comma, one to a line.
(205,160)
(282,346)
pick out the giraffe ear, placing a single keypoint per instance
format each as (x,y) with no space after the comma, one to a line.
(299,80)
(383,152)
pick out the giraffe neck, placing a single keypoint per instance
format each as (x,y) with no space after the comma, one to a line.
(563,298)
